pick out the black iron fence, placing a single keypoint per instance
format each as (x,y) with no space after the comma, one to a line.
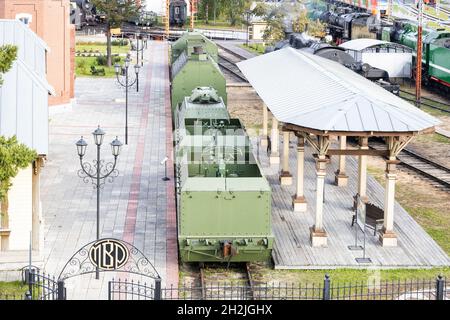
(40,286)
(417,289)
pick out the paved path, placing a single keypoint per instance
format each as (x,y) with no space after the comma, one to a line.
(136,206)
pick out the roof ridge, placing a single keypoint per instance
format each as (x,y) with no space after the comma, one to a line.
(40,79)
(325,71)
(29,31)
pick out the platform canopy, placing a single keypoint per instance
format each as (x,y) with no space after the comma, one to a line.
(318,95)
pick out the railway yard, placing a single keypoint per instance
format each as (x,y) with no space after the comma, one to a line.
(314,170)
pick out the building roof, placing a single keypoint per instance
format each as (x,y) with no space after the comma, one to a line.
(313,92)
(24,93)
(363,44)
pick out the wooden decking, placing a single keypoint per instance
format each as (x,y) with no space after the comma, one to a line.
(292,250)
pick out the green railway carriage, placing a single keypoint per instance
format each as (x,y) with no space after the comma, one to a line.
(195,67)
(188,41)
(435,54)
(437,61)
(224,202)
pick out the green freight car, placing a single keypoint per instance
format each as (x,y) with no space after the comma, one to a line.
(224,202)
(195,65)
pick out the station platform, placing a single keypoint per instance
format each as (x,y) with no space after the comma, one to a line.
(138,206)
(292,248)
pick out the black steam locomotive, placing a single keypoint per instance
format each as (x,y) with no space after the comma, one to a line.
(82,13)
(177,13)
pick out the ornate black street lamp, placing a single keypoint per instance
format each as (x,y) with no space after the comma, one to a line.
(123,70)
(141,50)
(98,173)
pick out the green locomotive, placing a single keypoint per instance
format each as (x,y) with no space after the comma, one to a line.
(223,200)
(435,50)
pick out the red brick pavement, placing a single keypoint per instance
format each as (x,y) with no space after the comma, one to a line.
(171,214)
(171,224)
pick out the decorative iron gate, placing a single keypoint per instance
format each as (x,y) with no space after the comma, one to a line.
(42,286)
(113,255)
(130,290)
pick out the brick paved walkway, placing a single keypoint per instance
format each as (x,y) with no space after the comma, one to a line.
(138,206)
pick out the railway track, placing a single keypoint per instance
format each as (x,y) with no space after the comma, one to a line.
(228,60)
(436,173)
(439,175)
(216,283)
(438,105)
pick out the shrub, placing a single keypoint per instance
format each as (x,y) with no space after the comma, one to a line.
(117,59)
(102,60)
(82,64)
(119,42)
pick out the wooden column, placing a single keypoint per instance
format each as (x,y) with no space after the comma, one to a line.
(285,175)
(341,178)
(318,235)
(37,234)
(299,201)
(265,126)
(387,237)
(362,169)
(275,136)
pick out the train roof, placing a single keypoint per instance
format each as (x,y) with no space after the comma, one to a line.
(318,94)
(193,110)
(363,43)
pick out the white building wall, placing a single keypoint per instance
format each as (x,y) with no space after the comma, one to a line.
(20,202)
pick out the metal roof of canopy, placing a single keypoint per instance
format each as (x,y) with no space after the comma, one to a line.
(312,92)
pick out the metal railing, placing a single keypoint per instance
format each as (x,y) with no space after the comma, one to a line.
(42,286)
(417,289)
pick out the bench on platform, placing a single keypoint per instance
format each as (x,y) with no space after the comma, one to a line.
(374,216)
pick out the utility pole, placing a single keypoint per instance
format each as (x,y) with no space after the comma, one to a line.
(419,54)
(193,12)
(167,20)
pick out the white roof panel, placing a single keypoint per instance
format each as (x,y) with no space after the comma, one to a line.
(310,91)
(361,44)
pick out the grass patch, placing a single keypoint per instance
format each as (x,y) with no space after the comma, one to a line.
(256,48)
(219,24)
(435,137)
(429,212)
(101,48)
(348,275)
(83,67)
(15,288)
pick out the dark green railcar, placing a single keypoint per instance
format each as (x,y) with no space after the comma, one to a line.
(194,64)
(224,202)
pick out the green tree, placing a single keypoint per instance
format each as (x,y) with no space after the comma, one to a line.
(116,12)
(274,31)
(8,54)
(234,9)
(317,29)
(13,157)
(300,23)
